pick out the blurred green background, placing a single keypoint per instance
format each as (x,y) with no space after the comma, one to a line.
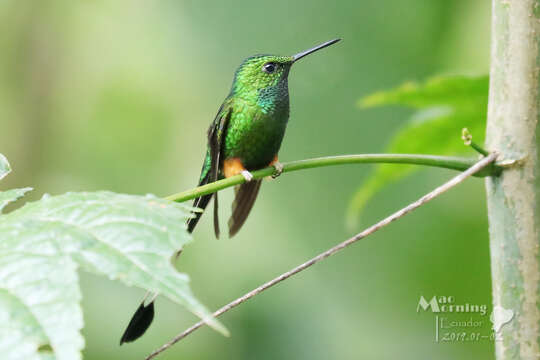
(118,96)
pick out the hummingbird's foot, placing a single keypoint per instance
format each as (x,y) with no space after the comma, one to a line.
(247,175)
(279,169)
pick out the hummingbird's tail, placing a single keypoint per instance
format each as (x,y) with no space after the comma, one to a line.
(141,320)
(245,196)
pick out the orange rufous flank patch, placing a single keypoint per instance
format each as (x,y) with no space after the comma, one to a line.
(232,167)
(273,162)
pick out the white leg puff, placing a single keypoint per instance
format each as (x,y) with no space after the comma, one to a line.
(247,175)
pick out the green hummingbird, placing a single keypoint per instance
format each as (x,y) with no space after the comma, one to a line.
(245,135)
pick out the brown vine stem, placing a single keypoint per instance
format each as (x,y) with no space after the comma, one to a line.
(481,164)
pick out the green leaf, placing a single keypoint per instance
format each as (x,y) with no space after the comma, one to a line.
(445,105)
(42,244)
(4,167)
(456,91)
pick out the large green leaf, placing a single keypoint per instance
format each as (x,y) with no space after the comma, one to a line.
(42,244)
(445,105)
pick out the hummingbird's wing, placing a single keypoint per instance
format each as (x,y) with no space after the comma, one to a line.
(211,165)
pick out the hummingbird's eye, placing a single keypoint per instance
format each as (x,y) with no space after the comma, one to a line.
(269,67)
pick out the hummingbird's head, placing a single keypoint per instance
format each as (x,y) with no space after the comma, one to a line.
(262,71)
(265,71)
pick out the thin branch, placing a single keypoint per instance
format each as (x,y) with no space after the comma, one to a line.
(448,162)
(482,164)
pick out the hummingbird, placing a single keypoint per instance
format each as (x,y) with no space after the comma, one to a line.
(246,135)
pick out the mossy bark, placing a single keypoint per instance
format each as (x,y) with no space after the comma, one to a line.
(513,197)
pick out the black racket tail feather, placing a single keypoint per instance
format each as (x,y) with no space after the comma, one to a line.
(139,323)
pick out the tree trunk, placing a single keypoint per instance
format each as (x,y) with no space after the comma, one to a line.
(513,204)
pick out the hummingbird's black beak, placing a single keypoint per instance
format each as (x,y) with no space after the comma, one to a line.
(312,50)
